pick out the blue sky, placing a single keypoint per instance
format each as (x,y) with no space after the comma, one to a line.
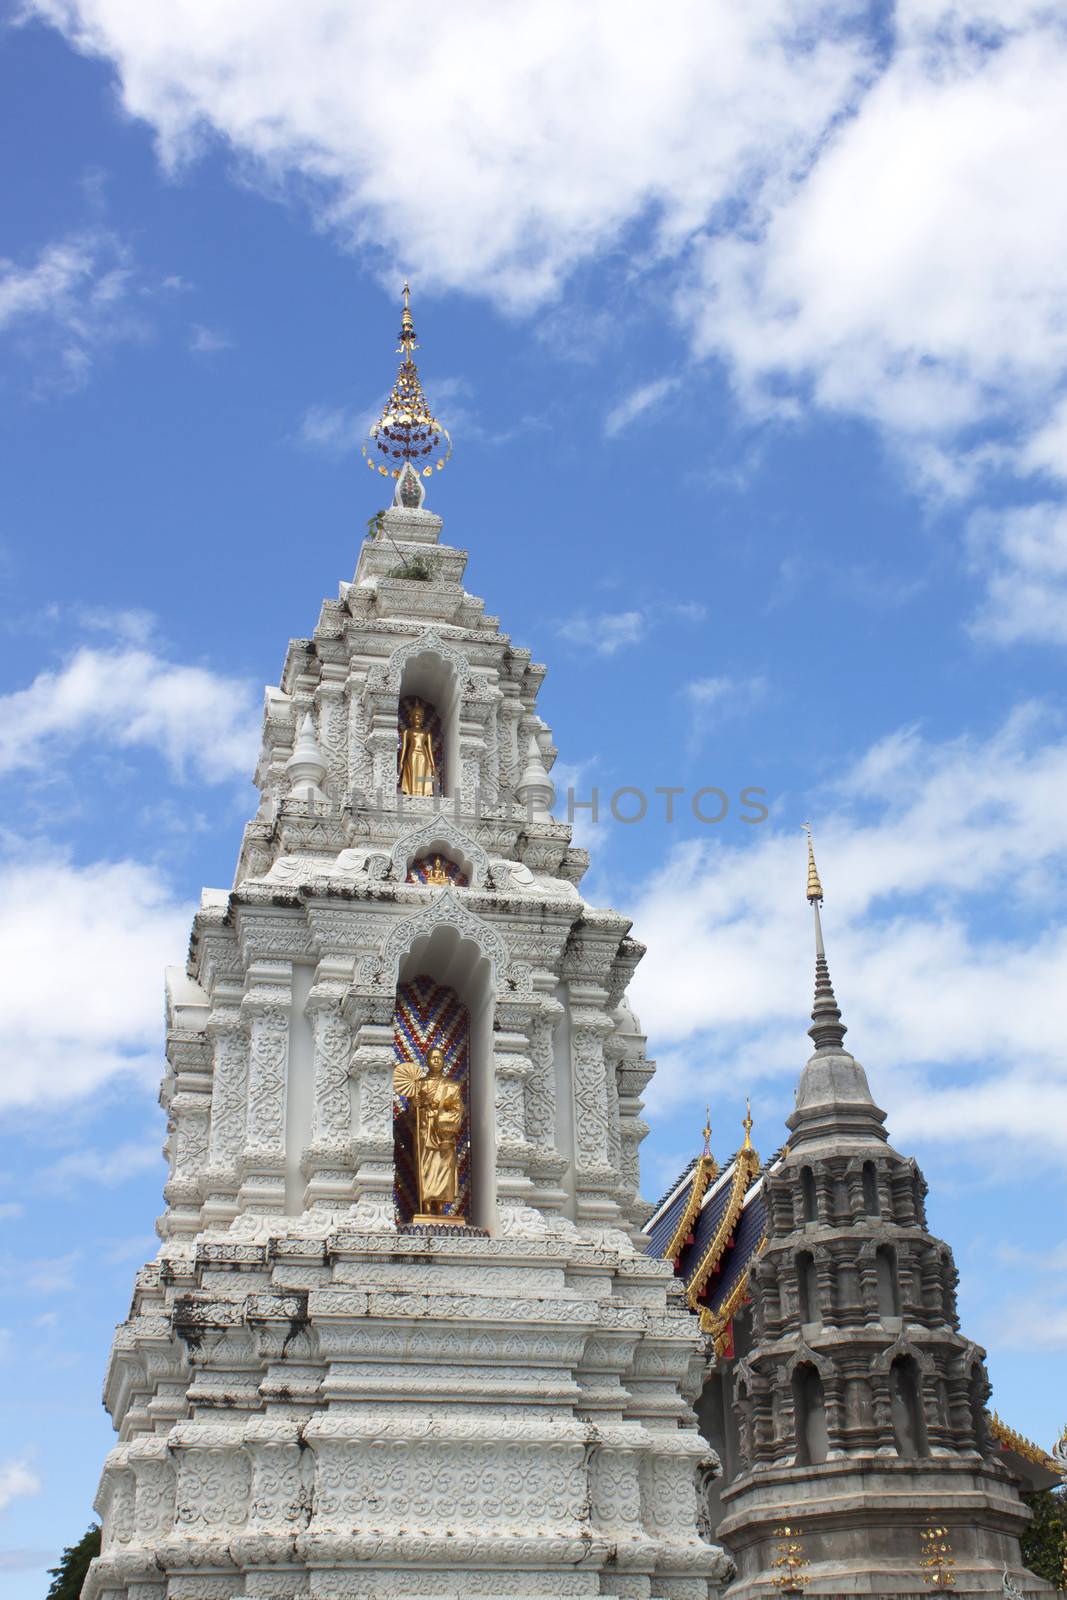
(752,337)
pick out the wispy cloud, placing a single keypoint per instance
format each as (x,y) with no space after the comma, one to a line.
(335,430)
(637,403)
(17,1478)
(716,700)
(208,341)
(109,1168)
(1022,552)
(68,304)
(605,632)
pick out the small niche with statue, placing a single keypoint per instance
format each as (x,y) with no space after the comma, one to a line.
(436,871)
(431,1106)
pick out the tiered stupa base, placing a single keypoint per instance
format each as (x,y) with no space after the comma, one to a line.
(404,1414)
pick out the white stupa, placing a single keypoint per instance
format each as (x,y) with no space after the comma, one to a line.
(316,1392)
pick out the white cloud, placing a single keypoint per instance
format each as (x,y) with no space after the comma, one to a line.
(10,1209)
(16,1479)
(82,952)
(68,303)
(208,341)
(604,633)
(717,698)
(196,718)
(106,1167)
(636,403)
(1023,552)
(944,867)
(540,133)
(335,430)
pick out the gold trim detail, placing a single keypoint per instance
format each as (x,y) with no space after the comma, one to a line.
(717,1323)
(1023,1446)
(747,1167)
(706,1169)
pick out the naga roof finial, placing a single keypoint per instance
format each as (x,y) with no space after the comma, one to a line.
(707,1131)
(746,1123)
(407,434)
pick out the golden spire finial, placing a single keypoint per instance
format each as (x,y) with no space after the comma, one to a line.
(707,1131)
(746,1123)
(814,886)
(407,327)
(407,432)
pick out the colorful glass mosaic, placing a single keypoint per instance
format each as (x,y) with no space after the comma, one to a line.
(428,869)
(431,718)
(429,1013)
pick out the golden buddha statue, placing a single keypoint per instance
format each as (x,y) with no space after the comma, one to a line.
(438,1106)
(417,766)
(437,874)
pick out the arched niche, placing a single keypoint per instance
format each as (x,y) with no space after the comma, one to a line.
(427,677)
(887,1281)
(809,1198)
(870,1190)
(807,1288)
(809,1407)
(440,834)
(905,1399)
(461,969)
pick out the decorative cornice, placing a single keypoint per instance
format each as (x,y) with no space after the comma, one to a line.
(747,1168)
(705,1170)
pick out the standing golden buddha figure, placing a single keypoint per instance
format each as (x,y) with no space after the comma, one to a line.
(437,1106)
(418,769)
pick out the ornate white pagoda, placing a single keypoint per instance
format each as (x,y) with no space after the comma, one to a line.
(402,1336)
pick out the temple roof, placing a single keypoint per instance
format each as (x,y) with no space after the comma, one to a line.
(1035,1467)
(712,1224)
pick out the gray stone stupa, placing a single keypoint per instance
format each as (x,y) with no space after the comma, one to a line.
(861,1407)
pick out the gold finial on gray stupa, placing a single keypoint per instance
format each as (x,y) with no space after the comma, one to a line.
(814,886)
(707,1131)
(746,1123)
(407,434)
(827,1029)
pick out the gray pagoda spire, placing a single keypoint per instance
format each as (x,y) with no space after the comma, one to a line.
(833,1097)
(860,1406)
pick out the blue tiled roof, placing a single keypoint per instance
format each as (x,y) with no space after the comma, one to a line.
(707,1223)
(662,1230)
(751,1226)
(665,1196)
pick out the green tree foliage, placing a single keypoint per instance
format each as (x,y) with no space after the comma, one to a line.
(68,1577)
(1045,1540)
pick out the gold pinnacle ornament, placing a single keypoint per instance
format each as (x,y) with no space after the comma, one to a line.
(790,1561)
(814,886)
(407,430)
(937,1559)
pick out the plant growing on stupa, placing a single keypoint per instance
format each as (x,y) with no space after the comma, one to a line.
(790,1561)
(937,1559)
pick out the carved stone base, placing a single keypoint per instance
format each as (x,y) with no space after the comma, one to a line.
(432,1412)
